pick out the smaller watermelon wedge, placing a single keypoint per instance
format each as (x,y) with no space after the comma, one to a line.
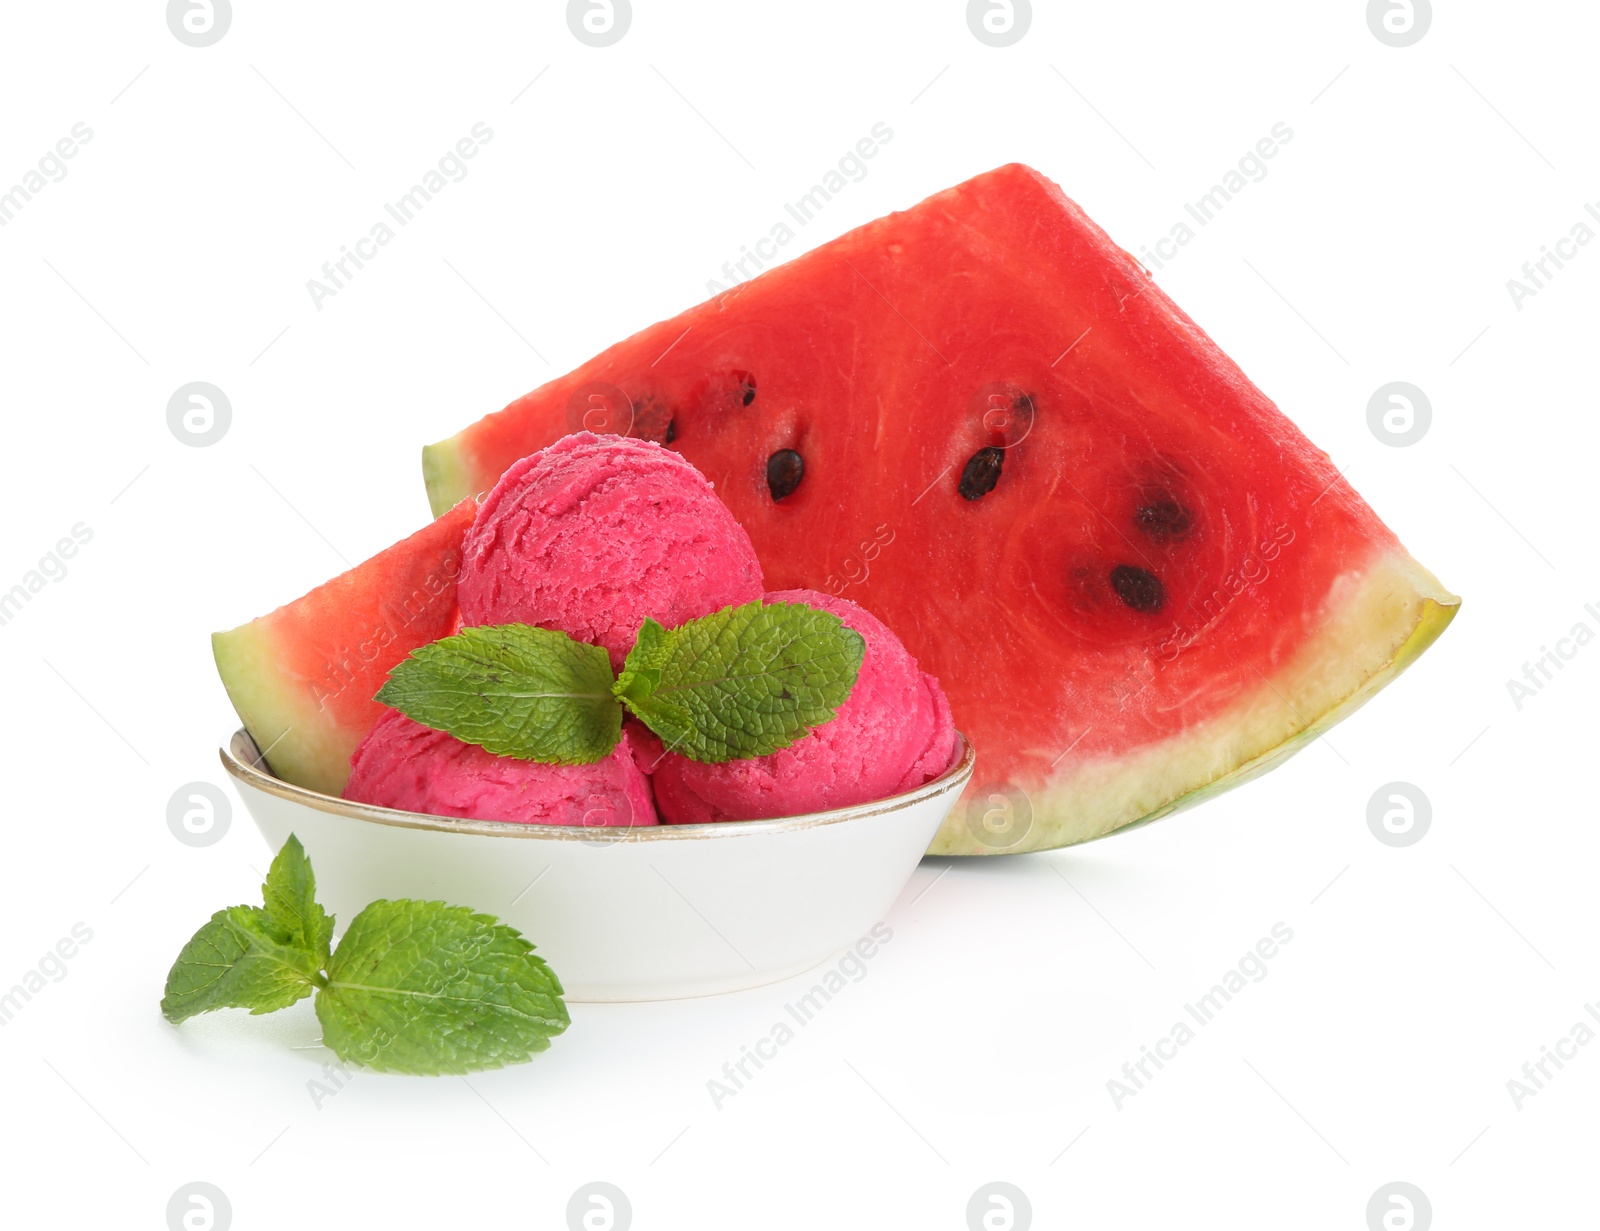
(302,678)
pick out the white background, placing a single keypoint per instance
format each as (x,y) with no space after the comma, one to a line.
(177,248)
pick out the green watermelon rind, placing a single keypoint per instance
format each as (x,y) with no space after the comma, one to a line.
(271,709)
(444,471)
(1064,825)
(307,725)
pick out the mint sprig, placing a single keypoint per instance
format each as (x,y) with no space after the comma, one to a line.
(516,690)
(742,682)
(414,987)
(239,960)
(420,987)
(290,897)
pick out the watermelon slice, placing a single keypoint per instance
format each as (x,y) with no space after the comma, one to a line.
(983,421)
(302,679)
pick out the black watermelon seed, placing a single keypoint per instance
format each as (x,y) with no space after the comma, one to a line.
(652,418)
(785,469)
(672,432)
(1138,588)
(981,473)
(1162,520)
(747,389)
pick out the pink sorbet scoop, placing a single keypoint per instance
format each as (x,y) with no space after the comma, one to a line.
(593,534)
(403,764)
(892,734)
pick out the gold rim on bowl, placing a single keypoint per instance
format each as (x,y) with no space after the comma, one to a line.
(243,760)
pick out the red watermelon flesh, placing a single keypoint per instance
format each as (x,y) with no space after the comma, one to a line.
(302,678)
(981,419)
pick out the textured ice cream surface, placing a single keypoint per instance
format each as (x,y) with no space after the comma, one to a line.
(893,734)
(403,764)
(593,534)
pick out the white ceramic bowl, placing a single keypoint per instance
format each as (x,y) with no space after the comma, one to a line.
(629,913)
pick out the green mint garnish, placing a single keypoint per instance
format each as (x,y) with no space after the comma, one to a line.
(513,689)
(414,987)
(253,957)
(420,987)
(241,959)
(742,682)
(290,894)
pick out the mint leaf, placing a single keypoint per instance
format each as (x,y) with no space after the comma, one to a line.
(241,959)
(516,690)
(741,682)
(641,672)
(290,894)
(414,987)
(423,987)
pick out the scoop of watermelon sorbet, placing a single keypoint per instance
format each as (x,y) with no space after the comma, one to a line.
(892,734)
(403,764)
(593,534)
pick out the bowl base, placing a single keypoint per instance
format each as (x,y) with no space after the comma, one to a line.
(628,993)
